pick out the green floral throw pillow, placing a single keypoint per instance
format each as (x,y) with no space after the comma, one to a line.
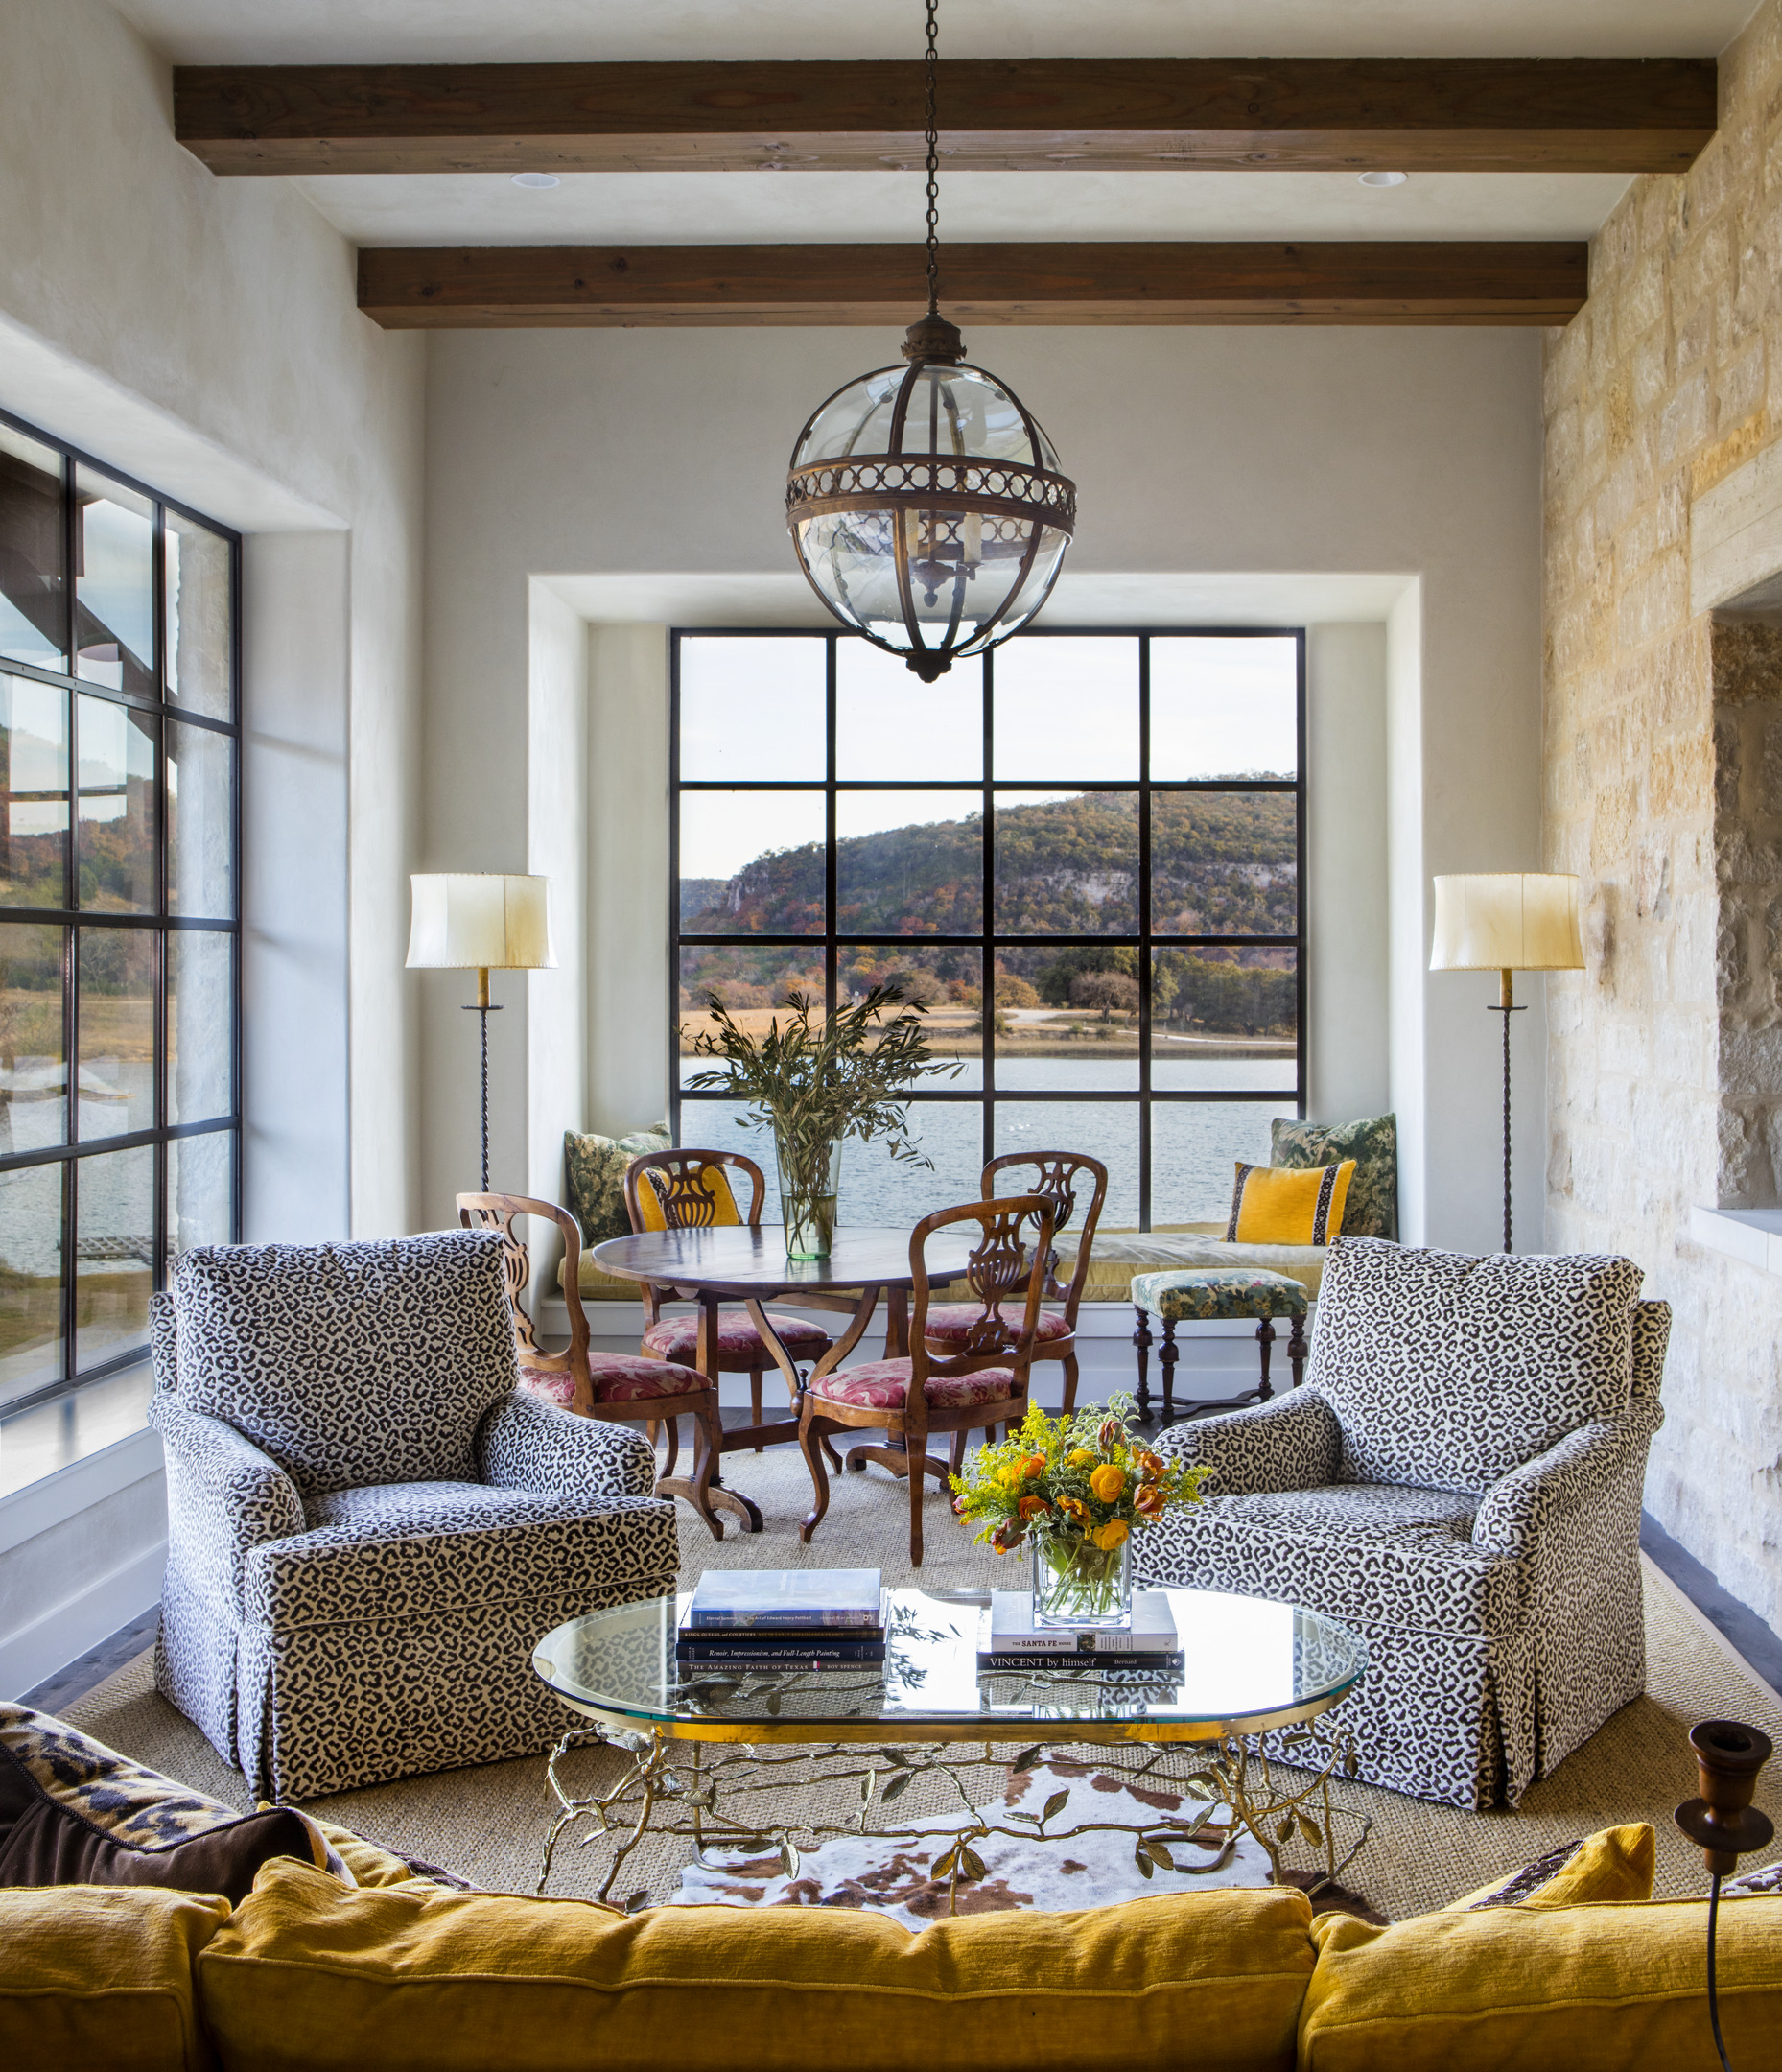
(1371,1210)
(595,1167)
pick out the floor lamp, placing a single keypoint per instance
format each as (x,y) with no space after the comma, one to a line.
(1507,922)
(480,921)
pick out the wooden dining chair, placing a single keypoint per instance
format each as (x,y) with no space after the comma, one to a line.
(689,1190)
(1062,1177)
(982,1382)
(620,1387)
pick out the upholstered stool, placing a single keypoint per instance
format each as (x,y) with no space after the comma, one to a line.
(1208,1294)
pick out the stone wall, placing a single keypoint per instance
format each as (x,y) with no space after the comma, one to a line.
(1748,869)
(1664,1055)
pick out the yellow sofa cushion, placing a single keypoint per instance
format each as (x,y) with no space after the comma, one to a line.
(1616,1862)
(311,1975)
(102,1975)
(1591,1989)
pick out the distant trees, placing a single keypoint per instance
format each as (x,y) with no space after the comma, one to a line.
(1107,990)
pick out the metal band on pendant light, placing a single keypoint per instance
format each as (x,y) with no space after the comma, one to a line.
(926,507)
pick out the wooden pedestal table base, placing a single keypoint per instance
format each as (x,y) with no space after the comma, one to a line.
(737,1263)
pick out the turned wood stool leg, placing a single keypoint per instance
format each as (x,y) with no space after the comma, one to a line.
(1170,1353)
(1265,1337)
(1295,1349)
(1142,1338)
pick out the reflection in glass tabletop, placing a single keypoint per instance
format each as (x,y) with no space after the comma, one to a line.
(1249,1665)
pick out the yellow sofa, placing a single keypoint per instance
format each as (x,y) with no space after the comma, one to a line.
(398,1974)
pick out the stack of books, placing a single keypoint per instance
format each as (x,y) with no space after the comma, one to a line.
(783,1618)
(1008,1639)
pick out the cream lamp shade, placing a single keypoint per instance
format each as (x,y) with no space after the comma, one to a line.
(1507,921)
(479,921)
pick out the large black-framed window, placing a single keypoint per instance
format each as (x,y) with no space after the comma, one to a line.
(1084,852)
(120,844)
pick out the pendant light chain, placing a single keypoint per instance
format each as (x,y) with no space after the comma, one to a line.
(934,165)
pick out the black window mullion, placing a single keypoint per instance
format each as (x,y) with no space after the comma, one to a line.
(1144,933)
(675,888)
(75,921)
(987,950)
(1302,891)
(1145,941)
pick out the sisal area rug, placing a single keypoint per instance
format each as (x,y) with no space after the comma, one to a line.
(489,1824)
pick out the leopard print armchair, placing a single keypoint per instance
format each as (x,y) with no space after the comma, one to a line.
(1458,1480)
(369,1526)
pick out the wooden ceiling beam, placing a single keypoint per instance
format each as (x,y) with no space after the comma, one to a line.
(486,287)
(1453,115)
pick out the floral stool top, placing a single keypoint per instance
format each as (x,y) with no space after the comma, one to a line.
(1204,1294)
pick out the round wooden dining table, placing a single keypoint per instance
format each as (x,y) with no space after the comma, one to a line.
(735,1263)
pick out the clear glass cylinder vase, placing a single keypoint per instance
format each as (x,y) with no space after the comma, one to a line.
(1076,1583)
(809,1180)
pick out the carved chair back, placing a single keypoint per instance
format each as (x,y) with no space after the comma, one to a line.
(498,1212)
(687,1186)
(1064,1178)
(1007,1264)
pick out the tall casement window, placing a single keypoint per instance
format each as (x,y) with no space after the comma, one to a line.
(118,929)
(1082,852)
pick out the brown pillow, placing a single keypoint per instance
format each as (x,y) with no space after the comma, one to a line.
(43,1842)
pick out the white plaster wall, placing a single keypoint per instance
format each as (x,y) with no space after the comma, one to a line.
(203,336)
(645,454)
(1347,976)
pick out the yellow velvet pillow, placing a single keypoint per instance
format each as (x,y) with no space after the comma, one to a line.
(309,1976)
(710,1180)
(1591,1987)
(102,1974)
(1274,1205)
(1614,1864)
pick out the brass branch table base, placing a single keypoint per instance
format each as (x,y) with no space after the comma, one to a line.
(710,1794)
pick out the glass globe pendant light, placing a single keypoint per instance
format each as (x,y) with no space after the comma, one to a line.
(925,502)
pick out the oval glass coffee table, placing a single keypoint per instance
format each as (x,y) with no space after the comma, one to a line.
(705,1744)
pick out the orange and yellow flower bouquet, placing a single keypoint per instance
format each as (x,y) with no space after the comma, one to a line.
(1075,1488)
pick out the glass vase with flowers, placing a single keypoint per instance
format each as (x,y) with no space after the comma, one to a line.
(816,1081)
(1075,1489)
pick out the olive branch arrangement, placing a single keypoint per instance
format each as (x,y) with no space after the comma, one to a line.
(816,1079)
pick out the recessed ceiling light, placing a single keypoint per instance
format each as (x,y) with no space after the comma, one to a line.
(542,180)
(1384,180)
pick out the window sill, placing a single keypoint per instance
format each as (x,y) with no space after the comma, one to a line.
(55,1437)
(1753,1236)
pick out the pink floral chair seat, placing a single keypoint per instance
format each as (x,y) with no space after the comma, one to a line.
(952,1322)
(884,1385)
(616,1378)
(677,1338)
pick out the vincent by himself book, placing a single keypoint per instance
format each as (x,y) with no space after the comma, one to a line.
(775,1600)
(1012,1630)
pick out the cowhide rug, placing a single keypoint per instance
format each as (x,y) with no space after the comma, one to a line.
(897,1877)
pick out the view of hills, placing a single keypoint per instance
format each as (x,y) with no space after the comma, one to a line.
(1222,863)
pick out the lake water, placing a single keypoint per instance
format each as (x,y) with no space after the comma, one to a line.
(1194,1145)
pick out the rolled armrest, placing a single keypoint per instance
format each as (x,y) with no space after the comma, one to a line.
(1293,1443)
(224,1497)
(527,1444)
(1577,1470)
